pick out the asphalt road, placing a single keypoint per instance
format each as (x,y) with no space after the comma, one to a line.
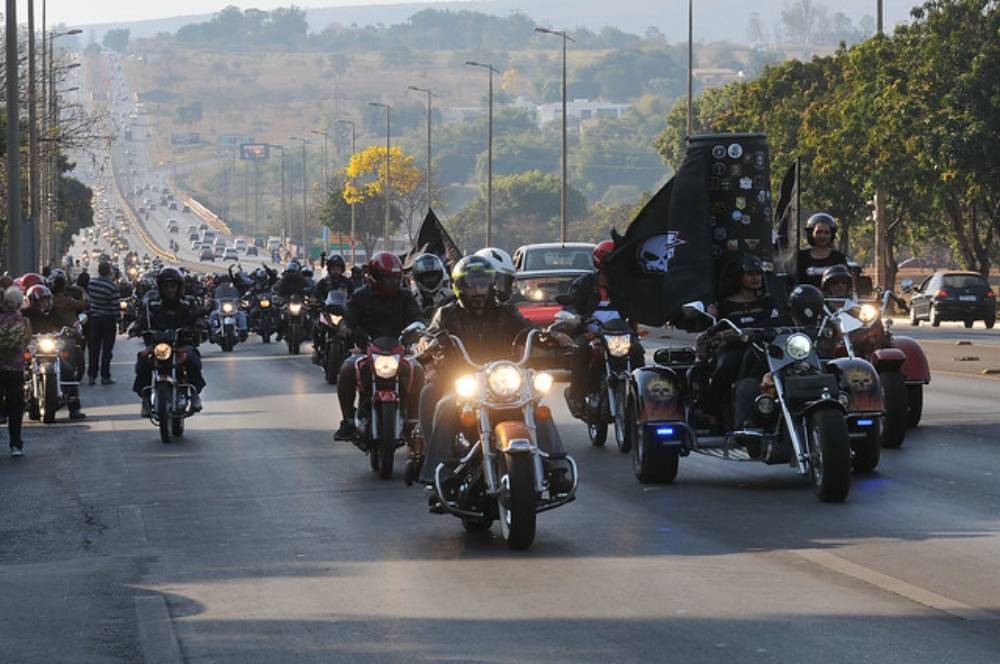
(257,539)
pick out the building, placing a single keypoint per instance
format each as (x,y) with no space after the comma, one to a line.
(580,110)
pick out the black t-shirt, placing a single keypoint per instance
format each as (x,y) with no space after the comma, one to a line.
(761,312)
(810,270)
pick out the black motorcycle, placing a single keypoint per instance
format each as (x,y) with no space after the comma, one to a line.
(610,345)
(332,350)
(264,316)
(294,318)
(169,393)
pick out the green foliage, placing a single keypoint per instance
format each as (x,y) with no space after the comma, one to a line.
(369,215)
(628,73)
(253,29)
(189,113)
(116,40)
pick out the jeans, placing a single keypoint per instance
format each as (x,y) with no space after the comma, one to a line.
(446,426)
(347,388)
(101,342)
(12,391)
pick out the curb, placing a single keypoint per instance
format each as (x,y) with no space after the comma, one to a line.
(156,631)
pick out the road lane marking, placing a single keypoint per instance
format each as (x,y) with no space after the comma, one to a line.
(895,586)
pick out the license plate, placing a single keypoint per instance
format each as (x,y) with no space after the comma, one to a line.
(967,298)
(227,321)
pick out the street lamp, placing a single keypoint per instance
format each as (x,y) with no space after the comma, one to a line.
(388,110)
(305,188)
(563,184)
(429,95)
(15,255)
(326,166)
(489,154)
(690,99)
(354,149)
(282,187)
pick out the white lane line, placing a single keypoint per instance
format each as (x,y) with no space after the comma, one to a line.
(895,586)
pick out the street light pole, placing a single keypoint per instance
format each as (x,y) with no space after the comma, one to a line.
(881,241)
(564,178)
(354,149)
(489,153)
(430,94)
(388,110)
(690,99)
(305,188)
(281,197)
(37,248)
(15,249)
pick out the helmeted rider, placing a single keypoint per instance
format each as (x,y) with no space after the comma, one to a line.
(292,282)
(334,281)
(170,310)
(357,277)
(45,320)
(488,329)
(381,308)
(821,233)
(506,273)
(225,290)
(837,282)
(429,283)
(590,299)
(307,274)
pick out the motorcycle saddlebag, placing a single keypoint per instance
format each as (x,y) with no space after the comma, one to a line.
(800,390)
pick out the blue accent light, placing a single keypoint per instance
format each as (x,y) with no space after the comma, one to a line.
(665,432)
(865,423)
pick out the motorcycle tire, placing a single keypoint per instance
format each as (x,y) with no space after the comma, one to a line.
(34,410)
(164,398)
(516,503)
(386,447)
(622,438)
(330,367)
(650,466)
(598,432)
(294,342)
(894,397)
(177,426)
(867,452)
(373,457)
(50,399)
(914,404)
(830,454)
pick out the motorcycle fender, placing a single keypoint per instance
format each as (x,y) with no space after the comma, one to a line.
(860,380)
(915,369)
(891,359)
(163,378)
(513,437)
(658,394)
(386,396)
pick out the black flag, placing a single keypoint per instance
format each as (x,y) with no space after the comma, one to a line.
(433,239)
(787,223)
(665,257)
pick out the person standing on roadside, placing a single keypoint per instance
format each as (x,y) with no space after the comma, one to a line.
(15,333)
(103,326)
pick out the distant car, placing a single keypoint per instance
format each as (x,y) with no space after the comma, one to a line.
(219,241)
(230,254)
(196,246)
(251,250)
(186,208)
(172,227)
(554,256)
(220,251)
(240,244)
(192,228)
(207,255)
(535,293)
(194,237)
(173,205)
(142,210)
(964,296)
(202,227)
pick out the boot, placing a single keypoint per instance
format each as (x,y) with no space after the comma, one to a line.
(147,408)
(347,430)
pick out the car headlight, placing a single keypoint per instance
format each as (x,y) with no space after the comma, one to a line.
(466,386)
(295,308)
(264,304)
(543,382)
(504,380)
(47,345)
(868,314)
(123,305)
(618,344)
(336,319)
(386,366)
(162,351)
(227,308)
(798,346)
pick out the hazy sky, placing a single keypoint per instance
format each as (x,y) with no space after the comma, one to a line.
(107,11)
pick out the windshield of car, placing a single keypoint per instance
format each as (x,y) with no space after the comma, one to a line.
(963,281)
(541,290)
(558,258)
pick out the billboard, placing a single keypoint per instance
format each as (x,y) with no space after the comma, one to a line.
(255,151)
(234,140)
(186,138)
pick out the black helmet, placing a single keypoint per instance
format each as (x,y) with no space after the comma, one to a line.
(472,280)
(428,273)
(806,305)
(821,218)
(750,264)
(57,280)
(292,267)
(170,275)
(836,273)
(336,260)
(307,272)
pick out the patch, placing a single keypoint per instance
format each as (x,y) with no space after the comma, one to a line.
(741,202)
(719,151)
(660,390)
(746,183)
(737,215)
(735,151)
(718,168)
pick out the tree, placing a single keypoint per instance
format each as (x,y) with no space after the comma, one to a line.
(116,40)
(365,183)
(189,113)
(335,214)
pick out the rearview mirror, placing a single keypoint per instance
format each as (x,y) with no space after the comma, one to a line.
(907,285)
(695,309)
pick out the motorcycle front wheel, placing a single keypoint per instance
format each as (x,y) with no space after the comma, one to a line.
(894,398)
(830,455)
(386,447)
(50,399)
(914,404)
(598,432)
(621,438)
(164,397)
(516,502)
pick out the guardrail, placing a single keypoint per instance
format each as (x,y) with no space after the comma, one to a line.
(209,217)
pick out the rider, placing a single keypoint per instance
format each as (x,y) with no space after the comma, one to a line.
(821,233)
(335,280)
(171,310)
(488,329)
(590,299)
(430,283)
(381,308)
(224,290)
(837,282)
(45,320)
(506,273)
(292,284)
(307,274)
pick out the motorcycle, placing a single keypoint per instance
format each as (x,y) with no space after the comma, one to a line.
(223,328)
(126,314)
(169,393)
(333,350)
(294,314)
(500,474)
(264,316)
(800,405)
(610,344)
(49,372)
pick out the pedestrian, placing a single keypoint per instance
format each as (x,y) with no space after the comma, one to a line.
(103,327)
(15,333)
(83,283)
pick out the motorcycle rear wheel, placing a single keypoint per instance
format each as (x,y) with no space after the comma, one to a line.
(164,397)
(894,397)
(830,452)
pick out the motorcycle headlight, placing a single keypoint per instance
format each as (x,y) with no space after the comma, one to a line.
(504,380)
(543,382)
(295,308)
(47,345)
(386,366)
(798,346)
(227,308)
(618,344)
(466,386)
(123,305)
(336,319)
(245,304)
(162,351)
(264,304)
(868,314)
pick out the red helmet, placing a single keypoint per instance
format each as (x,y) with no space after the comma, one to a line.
(30,279)
(40,297)
(386,273)
(601,252)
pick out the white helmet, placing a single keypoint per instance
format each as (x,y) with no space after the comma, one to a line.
(506,274)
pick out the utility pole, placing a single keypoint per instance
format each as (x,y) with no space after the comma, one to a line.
(881,243)
(430,94)
(15,248)
(489,153)
(563,183)
(38,248)
(326,167)
(690,99)
(388,110)
(354,149)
